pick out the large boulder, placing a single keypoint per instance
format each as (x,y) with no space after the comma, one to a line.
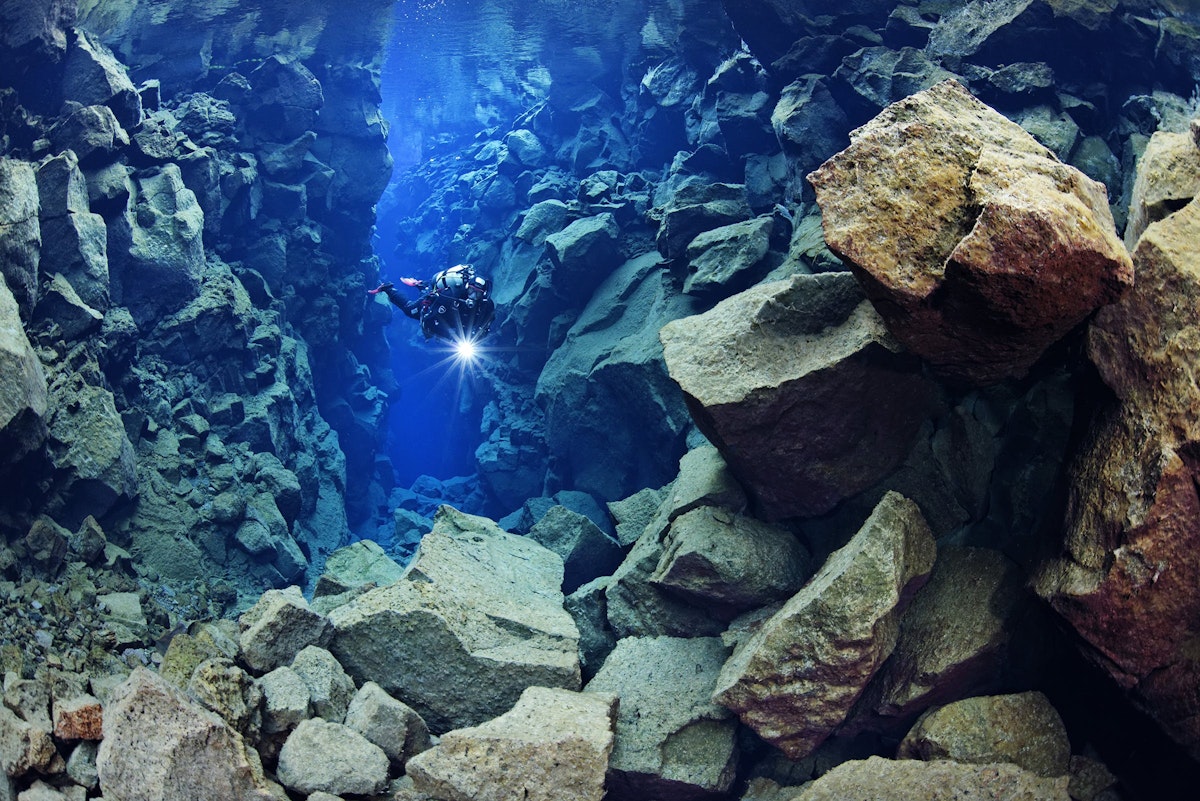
(93,76)
(156,253)
(329,688)
(957,639)
(807,396)
(635,605)
(160,746)
(24,746)
(1168,177)
(978,247)
(278,627)
(24,398)
(697,207)
(392,725)
(724,259)
(94,464)
(20,234)
(476,620)
(1127,578)
(1023,729)
(730,562)
(583,253)
(320,756)
(879,779)
(672,741)
(796,677)
(586,551)
(614,419)
(553,745)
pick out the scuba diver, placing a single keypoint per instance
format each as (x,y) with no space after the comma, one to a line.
(456,305)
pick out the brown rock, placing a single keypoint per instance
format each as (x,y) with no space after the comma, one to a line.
(976,245)
(955,638)
(801,388)
(1023,729)
(878,779)
(552,746)
(1168,176)
(797,676)
(78,718)
(1127,578)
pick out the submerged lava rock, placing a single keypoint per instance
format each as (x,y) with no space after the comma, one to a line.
(479,608)
(23,393)
(978,247)
(795,678)
(879,779)
(1131,564)
(672,741)
(800,387)
(1023,729)
(553,734)
(160,745)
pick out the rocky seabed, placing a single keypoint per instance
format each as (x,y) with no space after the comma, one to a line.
(850,423)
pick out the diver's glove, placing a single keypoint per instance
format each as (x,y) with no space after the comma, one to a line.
(386,288)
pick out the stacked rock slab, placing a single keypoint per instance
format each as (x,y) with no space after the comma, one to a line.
(760,371)
(978,247)
(553,745)
(796,677)
(672,741)
(478,618)
(1127,578)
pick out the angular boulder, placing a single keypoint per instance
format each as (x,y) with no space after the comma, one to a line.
(159,746)
(583,253)
(795,678)
(730,562)
(390,724)
(697,207)
(724,259)
(672,741)
(802,389)
(278,627)
(93,76)
(614,419)
(478,618)
(20,233)
(978,246)
(155,249)
(1126,580)
(23,745)
(324,757)
(1168,177)
(1023,729)
(635,606)
(24,398)
(956,639)
(286,701)
(586,551)
(553,745)
(94,463)
(329,688)
(879,779)
(362,562)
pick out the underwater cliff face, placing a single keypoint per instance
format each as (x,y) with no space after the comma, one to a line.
(817,349)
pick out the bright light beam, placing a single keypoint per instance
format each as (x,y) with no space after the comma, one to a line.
(465,350)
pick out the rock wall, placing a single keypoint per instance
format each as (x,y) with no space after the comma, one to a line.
(189,199)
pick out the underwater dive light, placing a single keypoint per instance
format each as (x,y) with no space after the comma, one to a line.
(464,350)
